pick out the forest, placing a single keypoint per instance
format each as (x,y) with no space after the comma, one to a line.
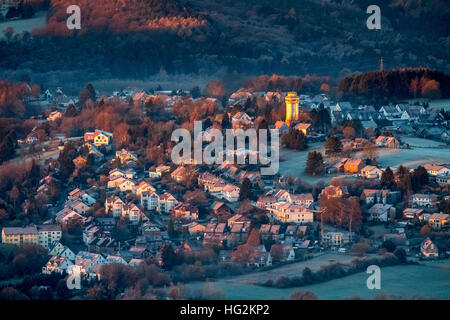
(138,38)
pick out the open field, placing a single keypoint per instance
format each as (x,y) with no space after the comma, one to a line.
(422,151)
(292,163)
(292,269)
(19,26)
(427,280)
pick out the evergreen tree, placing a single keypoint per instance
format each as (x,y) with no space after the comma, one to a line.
(333,146)
(314,164)
(387,178)
(245,190)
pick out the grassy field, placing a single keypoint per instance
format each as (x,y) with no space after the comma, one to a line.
(19,26)
(427,280)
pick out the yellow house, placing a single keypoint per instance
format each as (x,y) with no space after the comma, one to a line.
(20,236)
(125,155)
(102,138)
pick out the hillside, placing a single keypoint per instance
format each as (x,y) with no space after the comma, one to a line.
(138,38)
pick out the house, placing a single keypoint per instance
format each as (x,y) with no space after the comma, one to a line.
(267,201)
(228,192)
(149,200)
(220,208)
(165,202)
(208,180)
(67,216)
(412,213)
(179,174)
(342,106)
(305,128)
(87,260)
(184,211)
(54,116)
(331,192)
(270,231)
(78,206)
(381,212)
(438,220)
(433,169)
(121,183)
(372,196)
(288,253)
(286,212)
(114,205)
(57,264)
(423,200)
(282,127)
(443,179)
(214,234)
(239,233)
(159,171)
(124,156)
(194,228)
(102,138)
(143,186)
(115,259)
(338,239)
(238,219)
(260,259)
(241,116)
(20,236)
(353,165)
(428,249)
(48,234)
(371,172)
(390,111)
(132,212)
(79,162)
(63,251)
(102,245)
(117,173)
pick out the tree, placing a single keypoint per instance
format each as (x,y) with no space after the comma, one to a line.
(169,257)
(419,178)
(370,151)
(425,230)
(360,248)
(14,195)
(87,93)
(215,88)
(276,251)
(226,124)
(294,139)
(195,92)
(254,238)
(387,178)
(314,164)
(245,191)
(333,146)
(348,132)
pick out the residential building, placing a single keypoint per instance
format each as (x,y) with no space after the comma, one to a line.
(438,220)
(20,236)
